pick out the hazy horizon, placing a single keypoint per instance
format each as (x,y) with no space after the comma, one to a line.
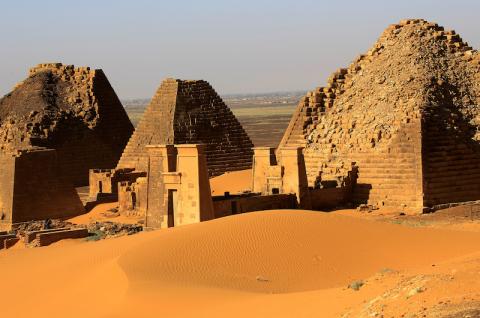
(240,47)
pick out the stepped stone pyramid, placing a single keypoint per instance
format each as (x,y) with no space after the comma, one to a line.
(190,112)
(405,114)
(72,110)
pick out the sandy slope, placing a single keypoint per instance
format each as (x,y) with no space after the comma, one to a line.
(264,264)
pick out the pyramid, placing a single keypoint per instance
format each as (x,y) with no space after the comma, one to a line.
(190,112)
(405,114)
(72,110)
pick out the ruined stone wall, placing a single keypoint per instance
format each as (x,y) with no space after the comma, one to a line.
(133,197)
(72,110)
(45,239)
(451,159)
(40,191)
(392,176)
(451,120)
(283,173)
(178,187)
(190,112)
(156,215)
(7,173)
(225,206)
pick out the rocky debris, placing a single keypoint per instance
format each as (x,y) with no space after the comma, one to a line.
(356,285)
(97,230)
(366,208)
(107,229)
(22,228)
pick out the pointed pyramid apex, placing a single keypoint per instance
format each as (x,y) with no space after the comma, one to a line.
(191,113)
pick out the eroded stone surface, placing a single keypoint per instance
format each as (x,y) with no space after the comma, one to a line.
(72,110)
(405,113)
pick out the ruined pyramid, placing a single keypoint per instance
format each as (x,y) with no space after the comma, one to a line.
(405,115)
(72,110)
(190,112)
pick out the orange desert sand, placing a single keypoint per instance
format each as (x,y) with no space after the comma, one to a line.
(261,264)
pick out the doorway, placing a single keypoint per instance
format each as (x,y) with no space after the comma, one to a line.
(172,207)
(134,200)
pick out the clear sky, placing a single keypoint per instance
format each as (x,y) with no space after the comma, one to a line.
(247,46)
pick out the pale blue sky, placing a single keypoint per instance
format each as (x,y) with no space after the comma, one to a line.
(238,46)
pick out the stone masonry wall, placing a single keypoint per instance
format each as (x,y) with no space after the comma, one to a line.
(40,191)
(7,164)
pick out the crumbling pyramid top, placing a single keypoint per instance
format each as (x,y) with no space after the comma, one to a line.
(190,111)
(72,109)
(402,74)
(52,96)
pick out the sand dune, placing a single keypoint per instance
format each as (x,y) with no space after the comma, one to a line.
(275,263)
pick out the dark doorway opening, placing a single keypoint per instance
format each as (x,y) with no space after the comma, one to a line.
(172,206)
(134,200)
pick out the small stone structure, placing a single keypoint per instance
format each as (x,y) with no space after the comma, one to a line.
(178,189)
(5,240)
(105,182)
(175,190)
(9,242)
(30,236)
(71,109)
(32,188)
(283,173)
(47,238)
(404,114)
